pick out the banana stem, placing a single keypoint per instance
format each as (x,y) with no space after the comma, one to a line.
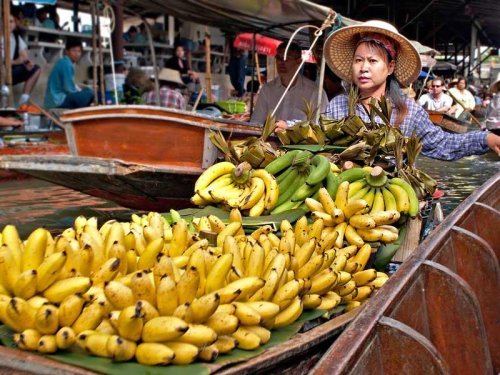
(377,177)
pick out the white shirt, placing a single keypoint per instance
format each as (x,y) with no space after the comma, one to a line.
(292,107)
(430,102)
(465,97)
(22,45)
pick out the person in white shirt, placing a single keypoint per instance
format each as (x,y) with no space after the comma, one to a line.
(463,97)
(436,100)
(23,69)
(303,90)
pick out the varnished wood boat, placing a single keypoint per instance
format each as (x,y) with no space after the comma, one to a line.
(439,313)
(140,157)
(447,122)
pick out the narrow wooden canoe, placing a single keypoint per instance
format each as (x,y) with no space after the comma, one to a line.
(439,313)
(447,122)
(148,135)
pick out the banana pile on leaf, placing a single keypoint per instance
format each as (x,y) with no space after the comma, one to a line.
(304,131)
(254,150)
(421,182)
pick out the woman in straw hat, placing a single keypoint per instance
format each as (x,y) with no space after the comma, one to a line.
(375,58)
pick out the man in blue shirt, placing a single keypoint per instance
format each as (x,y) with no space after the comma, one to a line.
(62,91)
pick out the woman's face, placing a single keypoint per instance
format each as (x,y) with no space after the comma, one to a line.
(179,52)
(370,69)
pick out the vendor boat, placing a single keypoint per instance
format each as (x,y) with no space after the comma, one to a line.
(447,122)
(140,157)
(415,321)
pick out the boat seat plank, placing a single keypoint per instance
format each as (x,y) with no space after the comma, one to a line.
(419,356)
(478,266)
(462,343)
(485,222)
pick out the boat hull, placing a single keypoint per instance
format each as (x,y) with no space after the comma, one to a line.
(447,122)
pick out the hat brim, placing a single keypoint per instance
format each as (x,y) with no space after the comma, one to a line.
(340,46)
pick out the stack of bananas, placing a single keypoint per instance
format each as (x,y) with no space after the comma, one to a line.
(299,175)
(378,191)
(161,294)
(254,192)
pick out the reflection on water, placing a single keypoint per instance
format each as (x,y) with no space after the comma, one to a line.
(458,179)
(31,203)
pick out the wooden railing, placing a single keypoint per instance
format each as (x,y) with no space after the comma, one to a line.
(440,311)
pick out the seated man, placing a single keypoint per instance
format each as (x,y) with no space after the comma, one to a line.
(436,99)
(178,62)
(23,69)
(170,97)
(10,121)
(301,91)
(62,91)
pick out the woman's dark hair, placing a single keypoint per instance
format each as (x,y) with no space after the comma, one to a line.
(73,42)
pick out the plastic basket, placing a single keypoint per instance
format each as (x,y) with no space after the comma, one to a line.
(232,106)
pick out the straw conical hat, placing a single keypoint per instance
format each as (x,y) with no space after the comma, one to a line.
(340,46)
(170,75)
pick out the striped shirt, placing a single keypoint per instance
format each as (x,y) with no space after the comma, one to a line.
(436,143)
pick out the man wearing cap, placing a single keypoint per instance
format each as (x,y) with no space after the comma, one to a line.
(170,81)
(375,58)
(436,100)
(302,90)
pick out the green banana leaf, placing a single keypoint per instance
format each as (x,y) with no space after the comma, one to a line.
(248,222)
(78,358)
(315,148)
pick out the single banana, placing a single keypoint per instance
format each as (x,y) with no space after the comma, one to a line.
(21,313)
(70,308)
(313,205)
(246,339)
(385,217)
(47,320)
(188,284)
(164,328)
(199,335)
(216,278)
(352,237)
(272,188)
(223,323)
(47,344)
(11,239)
(179,241)
(58,291)
(311,301)
(208,353)
(96,343)
(401,196)
(34,251)
(246,314)
(90,317)
(184,353)
(290,314)
(118,294)
(341,198)
(48,271)
(225,344)
(28,339)
(147,259)
(329,301)
(120,349)
(143,287)
(212,173)
(130,323)
(202,308)
(263,333)
(378,202)
(323,282)
(412,196)
(106,272)
(340,229)
(362,221)
(364,277)
(244,288)
(25,286)
(286,293)
(153,354)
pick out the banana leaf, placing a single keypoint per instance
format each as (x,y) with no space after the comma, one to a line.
(248,222)
(79,358)
(315,148)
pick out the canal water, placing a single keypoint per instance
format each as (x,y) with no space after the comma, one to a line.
(30,203)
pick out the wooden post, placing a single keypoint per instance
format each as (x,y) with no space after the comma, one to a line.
(208,70)
(101,54)
(411,240)
(257,66)
(153,59)
(94,53)
(7,48)
(116,35)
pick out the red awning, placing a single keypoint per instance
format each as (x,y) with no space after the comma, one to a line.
(264,45)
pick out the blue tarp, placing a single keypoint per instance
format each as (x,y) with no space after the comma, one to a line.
(424,74)
(49,2)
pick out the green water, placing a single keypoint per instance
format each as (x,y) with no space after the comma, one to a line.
(30,203)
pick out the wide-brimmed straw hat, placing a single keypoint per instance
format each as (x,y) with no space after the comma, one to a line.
(341,44)
(170,75)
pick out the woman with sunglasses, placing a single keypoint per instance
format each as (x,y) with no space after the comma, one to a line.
(375,58)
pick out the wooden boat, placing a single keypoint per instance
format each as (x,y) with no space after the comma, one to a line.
(140,157)
(439,313)
(22,142)
(447,122)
